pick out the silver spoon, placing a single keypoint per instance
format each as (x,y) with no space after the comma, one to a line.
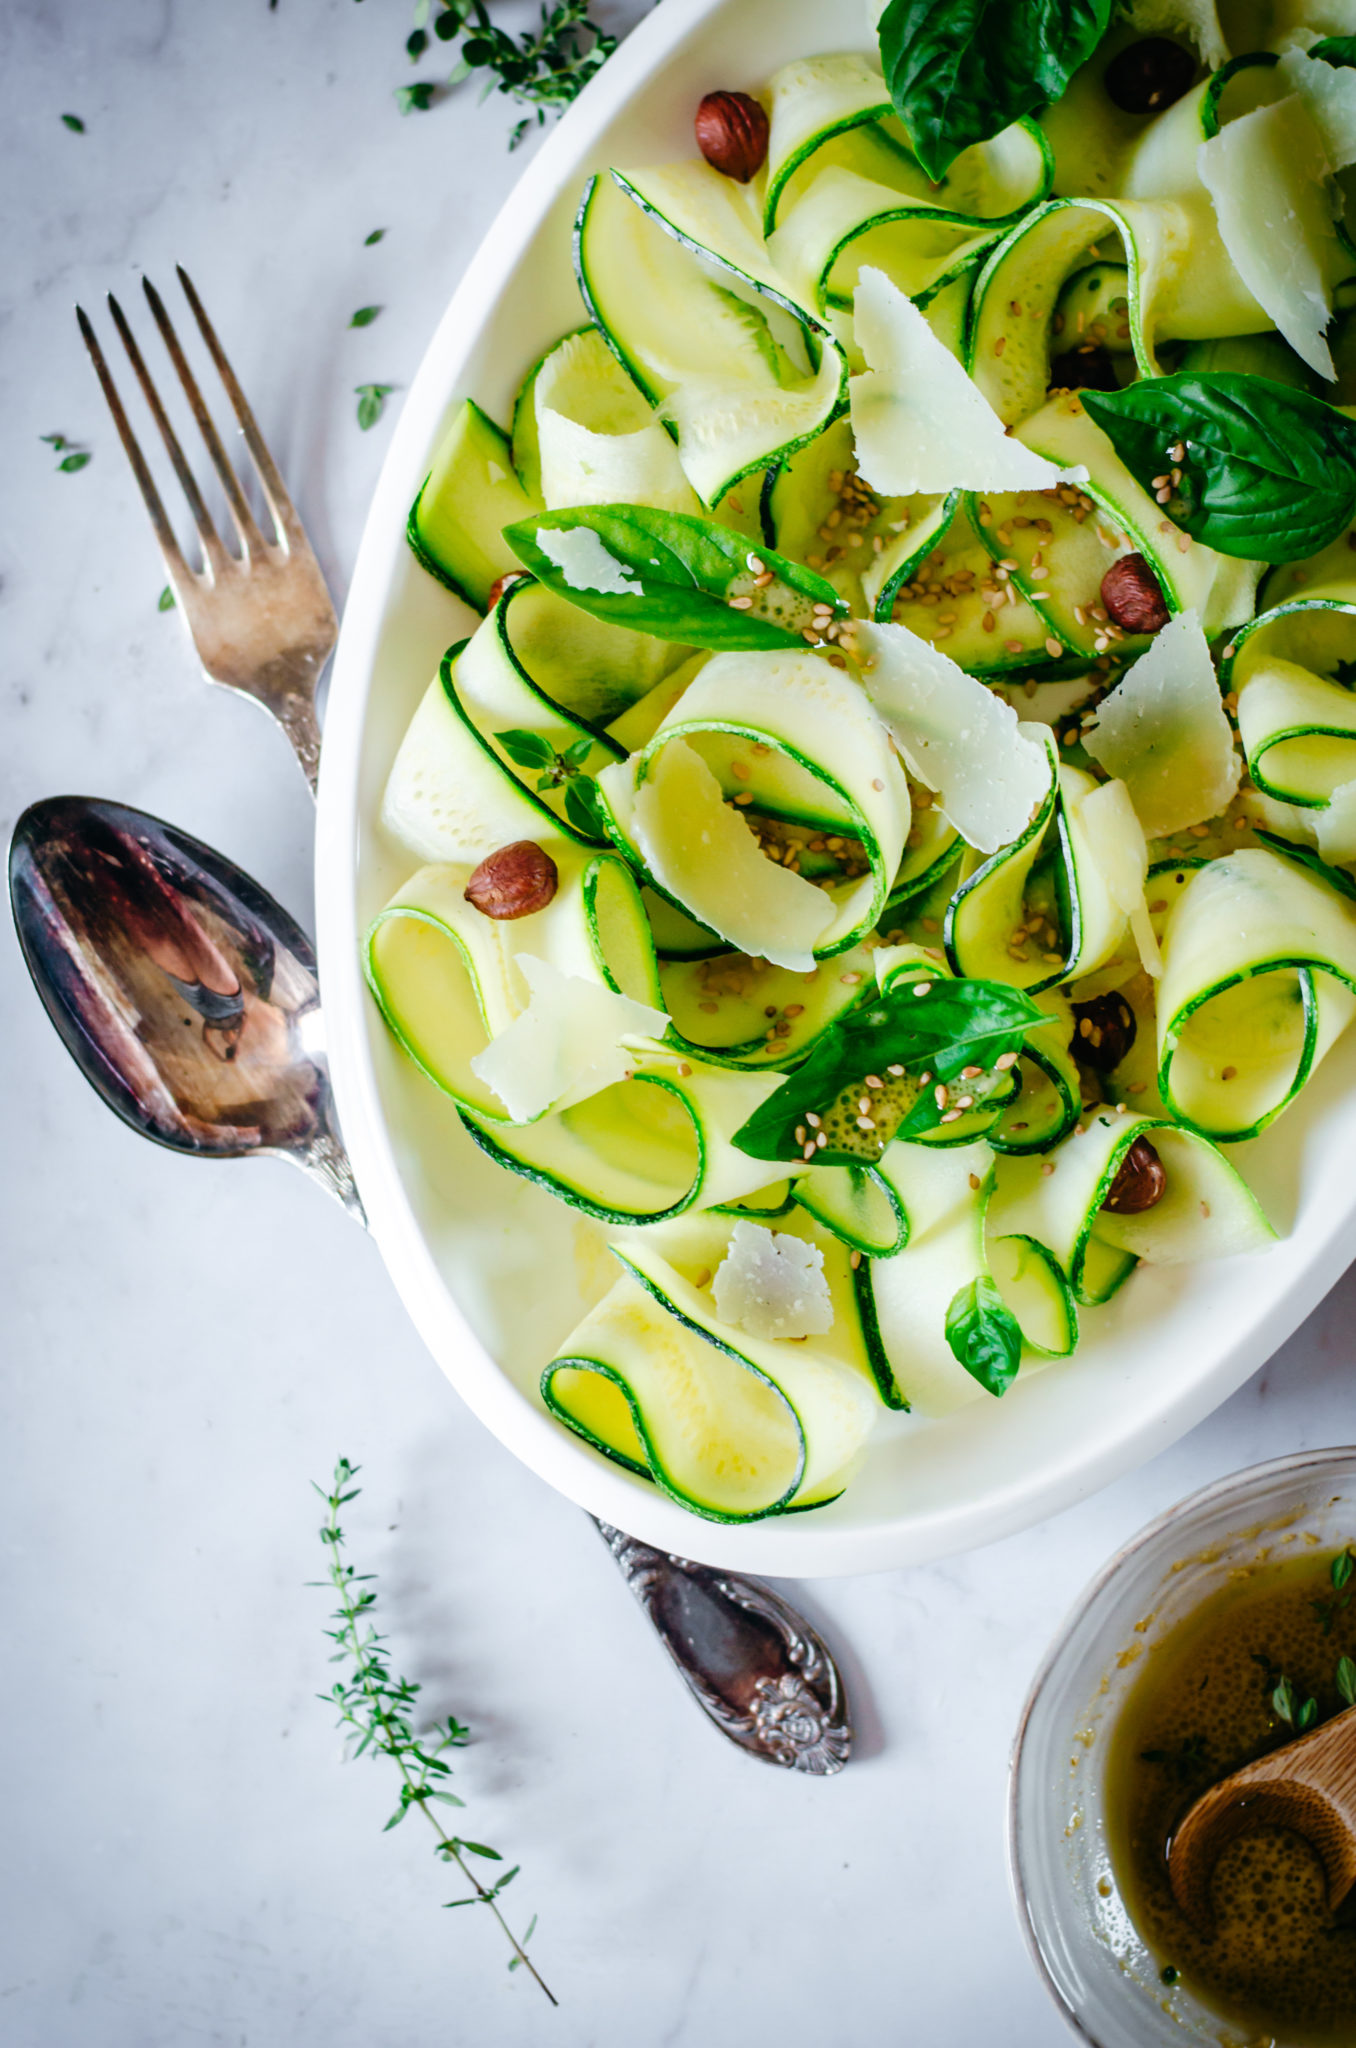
(188,999)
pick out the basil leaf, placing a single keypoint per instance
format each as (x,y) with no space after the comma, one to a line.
(1338,50)
(1268,473)
(1336,878)
(673,575)
(528,749)
(959,71)
(984,1334)
(947,1028)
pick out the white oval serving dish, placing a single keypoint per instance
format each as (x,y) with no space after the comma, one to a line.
(493,1271)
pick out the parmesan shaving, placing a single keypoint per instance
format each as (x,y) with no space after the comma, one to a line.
(957,737)
(566,1045)
(920,424)
(1328,92)
(1164,732)
(1267,173)
(700,851)
(1335,827)
(584,562)
(772,1285)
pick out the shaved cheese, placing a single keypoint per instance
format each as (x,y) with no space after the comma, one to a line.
(773,1285)
(600,442)
(700,851)
(1197,18)
(1328,92)
(957,737)
(566,1045)
(919,422)
(579,554)
(1266,173)
(1120,855)
(1164,732)
(1335,827)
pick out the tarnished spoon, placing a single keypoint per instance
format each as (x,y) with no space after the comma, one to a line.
(1308,1786)
(188,999)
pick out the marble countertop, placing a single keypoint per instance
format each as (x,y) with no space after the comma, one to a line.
(186,1347)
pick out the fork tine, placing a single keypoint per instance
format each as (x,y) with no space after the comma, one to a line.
(181,578)
(250,536)
(212,547)
(275,491)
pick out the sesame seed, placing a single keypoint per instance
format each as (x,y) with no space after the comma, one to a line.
(1228,1073)
(740,604)
(850,980)
(1004,1061)
(864,1123)
(1054,648)
(821,1141)
(1048,1168)
(683,1069)
(895,1070)
(812,1120)
(920,988)
(975,1182)
(950,1116)
(971,1073)
(854,1260)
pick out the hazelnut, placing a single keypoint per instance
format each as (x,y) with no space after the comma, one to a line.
(1132,597)
(1084,369)
(1146,77)
(732,134)
(1140,1184)
(1104,1031)
(515,881)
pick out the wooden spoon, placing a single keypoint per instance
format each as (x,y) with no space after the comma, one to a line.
(1308,1786)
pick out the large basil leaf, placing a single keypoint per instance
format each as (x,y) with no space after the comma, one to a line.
(984,1334)
(959,71)
(675,576)
(939,1029)
(1268,472)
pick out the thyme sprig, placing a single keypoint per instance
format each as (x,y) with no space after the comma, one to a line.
(544,68)
(376,1709)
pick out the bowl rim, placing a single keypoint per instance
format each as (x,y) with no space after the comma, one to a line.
(1216,1493)
(1024,1492)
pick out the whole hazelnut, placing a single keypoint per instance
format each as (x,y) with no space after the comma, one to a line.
(514,881)
(1132,596)
(501,584)
(1140,1184)
(1084,369)
(1145,77)
(1104,1032)
(732,134)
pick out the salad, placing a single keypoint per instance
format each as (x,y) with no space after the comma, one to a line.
(893,828)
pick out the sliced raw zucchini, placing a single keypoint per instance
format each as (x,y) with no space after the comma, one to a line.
(1033,1285)
(734,364)
(1292,668)
(944,1194)
(597,440)
(448,979)
(791,742)
(644,1149)
(1206,1210)
(470,495)
(750,1013)
(1259,969)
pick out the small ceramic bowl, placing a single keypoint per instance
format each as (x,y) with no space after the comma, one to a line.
(1099,1972)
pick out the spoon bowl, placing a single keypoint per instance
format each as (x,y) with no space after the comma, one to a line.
(186,996)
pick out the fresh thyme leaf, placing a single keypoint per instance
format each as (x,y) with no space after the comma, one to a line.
(582,807)
(376,1709)
(371,402)
(74,123)
(70,463)
(416,99)
(165,601)
(1345,1679)
(1288,1707)
(364,316)
(375,236)
(1342,1568)
(57,441)
(528,749)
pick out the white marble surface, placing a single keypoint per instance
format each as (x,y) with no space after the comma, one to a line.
(186,1347)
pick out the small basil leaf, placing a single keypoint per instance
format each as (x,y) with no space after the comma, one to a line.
(1337,878)
(583,809)
(984,1335)
(948,1027)
(960,71)
(1268,473)
(528,749)
(674,576)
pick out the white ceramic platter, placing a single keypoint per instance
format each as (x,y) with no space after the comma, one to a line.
(495,1272)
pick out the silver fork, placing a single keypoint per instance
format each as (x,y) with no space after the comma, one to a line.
(261,620)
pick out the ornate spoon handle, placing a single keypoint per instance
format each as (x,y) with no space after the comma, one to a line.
(749,1660)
